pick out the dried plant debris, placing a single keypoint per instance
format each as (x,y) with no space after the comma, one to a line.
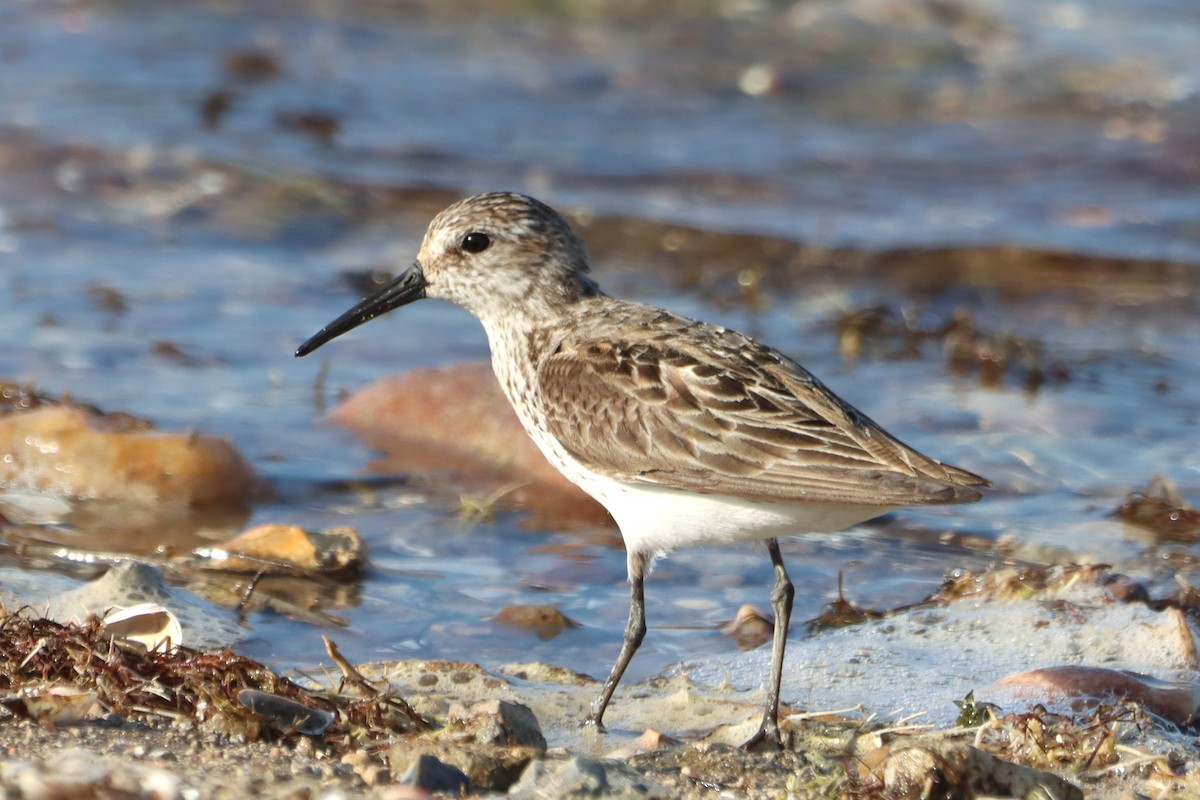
(1015,583)
(1073,742)
(842,613)
(994,358)
(220,690)
(321,126)
(108,299)
(252,65)
(1160,509)
(1021,755)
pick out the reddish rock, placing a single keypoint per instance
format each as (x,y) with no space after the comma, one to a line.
(68,450)
(288,549)
(455,420)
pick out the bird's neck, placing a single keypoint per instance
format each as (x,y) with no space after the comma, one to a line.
(520,339)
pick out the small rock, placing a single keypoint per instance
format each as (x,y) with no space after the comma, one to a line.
(953,769)
(649,740)
(1125,589)
(581,778)
(544,620)
(501,723)
(434,776)
(487,767)
(59,704)
(401,792)
(546,673)
(287,549)
(367,768)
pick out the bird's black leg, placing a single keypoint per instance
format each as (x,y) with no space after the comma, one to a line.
(635,631)
(781,601)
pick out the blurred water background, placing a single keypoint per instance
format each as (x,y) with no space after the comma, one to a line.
(184,186)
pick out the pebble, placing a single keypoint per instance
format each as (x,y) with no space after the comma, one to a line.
(579,778)
(435,776)
(501,723)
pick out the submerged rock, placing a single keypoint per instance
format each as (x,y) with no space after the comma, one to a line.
(131,584)
(287,549)
(75,451)
(454,420)
(544,620)
(1177,701)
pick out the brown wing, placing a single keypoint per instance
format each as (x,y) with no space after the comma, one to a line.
(722,414)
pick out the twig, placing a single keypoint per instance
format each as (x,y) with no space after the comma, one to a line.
(352,675)
(241,606)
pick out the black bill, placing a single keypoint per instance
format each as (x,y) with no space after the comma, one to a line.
(408,287)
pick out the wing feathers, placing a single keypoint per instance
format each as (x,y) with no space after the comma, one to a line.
(702,409)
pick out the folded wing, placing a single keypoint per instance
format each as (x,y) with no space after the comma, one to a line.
(706,410)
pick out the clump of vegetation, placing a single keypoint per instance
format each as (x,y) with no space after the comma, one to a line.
(972,712)
(221,690)
(1074,743)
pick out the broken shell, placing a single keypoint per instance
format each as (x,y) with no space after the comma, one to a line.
(147,625)
(60,704)
(750,628)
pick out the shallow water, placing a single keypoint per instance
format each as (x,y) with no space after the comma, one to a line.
(226,242)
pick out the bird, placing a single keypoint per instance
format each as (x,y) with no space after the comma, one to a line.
(688,433)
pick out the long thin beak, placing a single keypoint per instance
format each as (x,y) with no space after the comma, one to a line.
(408,287)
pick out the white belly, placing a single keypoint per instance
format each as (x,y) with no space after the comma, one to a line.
(655,519)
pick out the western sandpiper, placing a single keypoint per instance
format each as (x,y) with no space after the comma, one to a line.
(688,433)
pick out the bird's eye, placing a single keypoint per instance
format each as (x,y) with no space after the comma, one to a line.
(476,242)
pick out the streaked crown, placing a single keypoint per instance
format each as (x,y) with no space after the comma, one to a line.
(491,252)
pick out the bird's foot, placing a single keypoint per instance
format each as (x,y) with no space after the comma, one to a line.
(768,739)
(592,722)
